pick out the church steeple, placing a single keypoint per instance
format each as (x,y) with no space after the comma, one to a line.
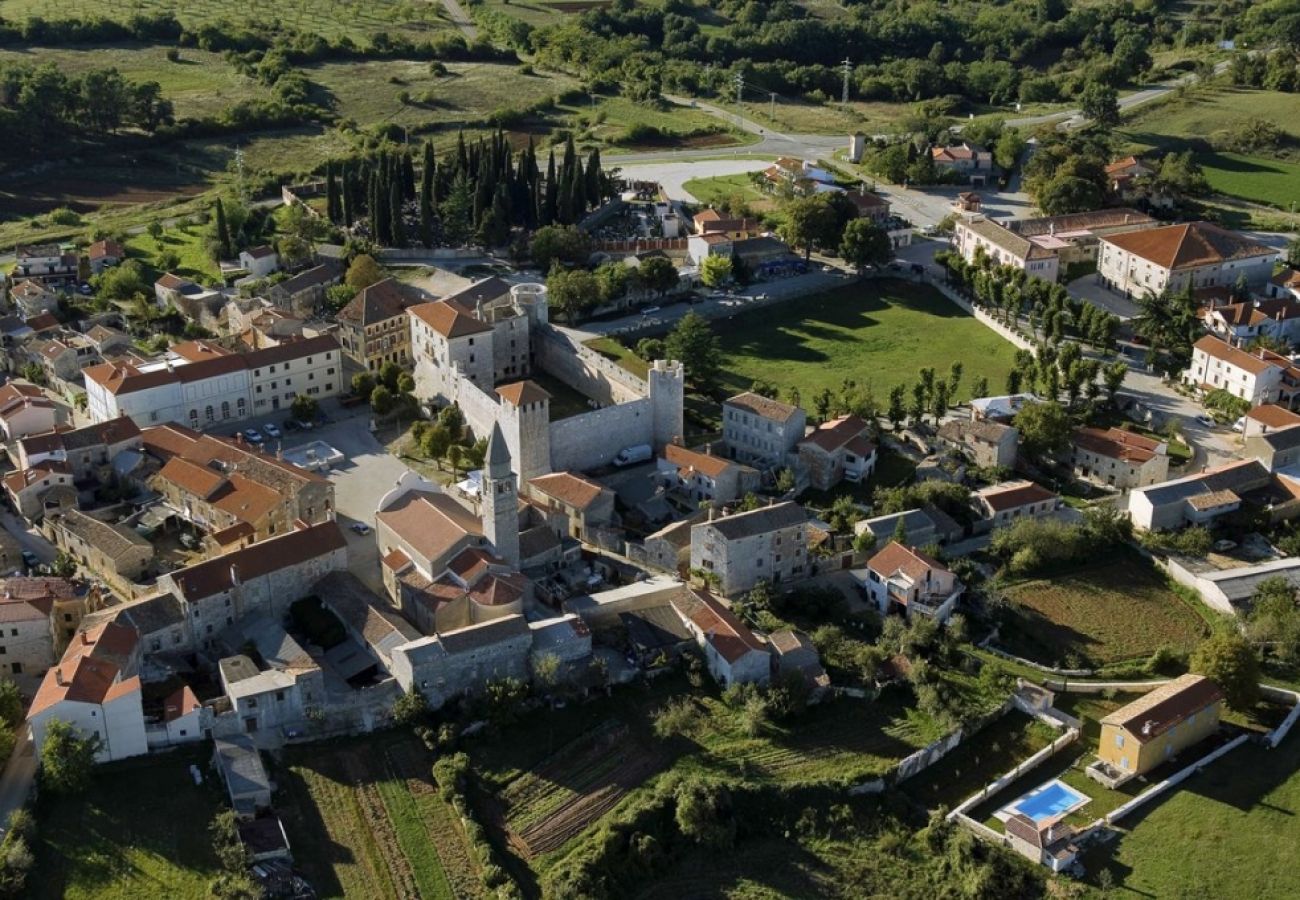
(500,502)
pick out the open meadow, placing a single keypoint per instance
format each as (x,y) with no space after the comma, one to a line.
(1114,610)
(879,333)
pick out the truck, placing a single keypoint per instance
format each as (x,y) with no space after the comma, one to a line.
(637,453)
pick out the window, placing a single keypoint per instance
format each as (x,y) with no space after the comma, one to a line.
(225,409)
(1119,741)
(16,668)
(209,414)
(329,371)
(13,632)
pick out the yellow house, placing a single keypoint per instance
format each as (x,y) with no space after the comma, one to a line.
(1138,737)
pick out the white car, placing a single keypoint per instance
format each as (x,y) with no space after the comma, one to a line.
(1239,425)
(1205,420)
(271,431)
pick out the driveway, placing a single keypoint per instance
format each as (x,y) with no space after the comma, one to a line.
(16,781)
(929,206)
(672,176)
(1090,289)
(29,538)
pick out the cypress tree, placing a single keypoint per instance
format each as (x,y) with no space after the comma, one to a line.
(462,156)
(397,227)
(332,211)
(578,186)
(348,198)
(550,205)
(408,176)
(595,178)
(223,231)
(426,197)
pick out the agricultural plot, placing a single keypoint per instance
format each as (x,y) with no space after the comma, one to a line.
(328,18)
(576,786)
(367,822)
(880,333)
(1119,609)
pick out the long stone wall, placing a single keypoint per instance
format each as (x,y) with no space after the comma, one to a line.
(480,409)
(586,370)
(593,439)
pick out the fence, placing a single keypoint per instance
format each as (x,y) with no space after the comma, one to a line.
(417,254)
(1069,737)
(1276,693)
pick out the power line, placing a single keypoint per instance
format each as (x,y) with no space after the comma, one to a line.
(740,93)
(848,69)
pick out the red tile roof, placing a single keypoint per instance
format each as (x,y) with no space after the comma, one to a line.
(831,436)
(704,463)
(763,407)
(1187,246)
(180,702)
(1273,416)
(1116,443)
(449,320)
(569,488)
(896,557)
(730,637)
(1156,712)
(522,393)
(1013,496)
(1254,362)
(213,576)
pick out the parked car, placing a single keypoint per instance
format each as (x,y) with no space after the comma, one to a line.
(291,425)
(650,309)
(253,436)
(1239,425)
(272,431)
(30,559)
(361,528)
(1207,421)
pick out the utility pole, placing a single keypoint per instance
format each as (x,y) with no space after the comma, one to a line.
(239,168)
(740,93)
(848,69)
(771,107)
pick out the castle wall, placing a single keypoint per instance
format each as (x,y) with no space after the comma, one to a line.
(593,439)
(586,370)
(480,408)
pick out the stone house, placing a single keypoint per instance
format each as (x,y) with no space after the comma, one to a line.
(304,293)
(240,763)
(1256,376)
(989,444)
(759,431)
(1119,458)
(46,264)
(1277,449)
(33,298)
(89,450)
(103,255)
(836,450)
(263,578)
(462,661)
(26,639)
(1197,499)
(47,485)
(767,544)
(924,526)
(968,159)
(1176,257)
(112,551)
(584,504)
(278,685)
(1268,417)
(976,235)
(1048,842)
(703,476)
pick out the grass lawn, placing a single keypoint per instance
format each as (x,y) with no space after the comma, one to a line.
(1254,178)
(366,821)
(683,127)
(565,400)
(328,18)
(102,845)
(1229,833)
(1117,609)
(610,348)
(721,188)
(187,244)
(879,333)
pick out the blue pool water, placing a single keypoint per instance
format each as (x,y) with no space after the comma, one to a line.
(1050,801)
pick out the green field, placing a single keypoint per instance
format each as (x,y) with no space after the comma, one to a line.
(1228,833)
(1254,178)
(720,188)
(1119,609)
(365,820)
(879,333)
(328,18)
(199,84)
(186,243)
(103,846)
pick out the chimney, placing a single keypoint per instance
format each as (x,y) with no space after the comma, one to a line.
(712,511)
(58,677)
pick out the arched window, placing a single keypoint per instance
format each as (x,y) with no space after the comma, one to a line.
(225,409)
(209,415)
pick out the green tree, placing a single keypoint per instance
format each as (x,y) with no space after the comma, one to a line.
(897,406)
(435,443)
(304,408)
(574,291)
(809,221)
(225,248)
(564,244)
(381,400)
(695,345)
(363,383)
(389,372)
(1044,429)
(1100,103)
(865,244)
(1228,660)
(715,271)
(1274,620)
(11,703)
(703,813)
(67,758)
(155,230)
(363,272)
(658,274)
(455,456)
(1068,194)
(411,709)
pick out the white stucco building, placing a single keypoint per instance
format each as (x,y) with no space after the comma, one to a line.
(1174,257)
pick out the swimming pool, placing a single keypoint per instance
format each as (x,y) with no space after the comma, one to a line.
(1051,801)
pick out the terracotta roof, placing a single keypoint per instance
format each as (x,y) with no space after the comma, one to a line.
(865,200)
(101,249)
(499,590)
(449,320)
(896,557)
(192,477)
(432,523)
(180,702)
(1161,709)
(521,393)
(397,560)
(380,302)
(89,668)
(261,252)
(1187,246)
(764,407)
(39,589)
(1120,165)
(704,463)
(1287,278)
(22,611)
(1254,362)
(1236,314)
(1273,416)
(1116,443)
(1082,221)
(831,436)
(569,488)
(20,481)
(1013,495)
(213,576)
(730,637)
(43,322)
(290,350)
(171,282)
(197,351)
(28,288)
(124,378)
